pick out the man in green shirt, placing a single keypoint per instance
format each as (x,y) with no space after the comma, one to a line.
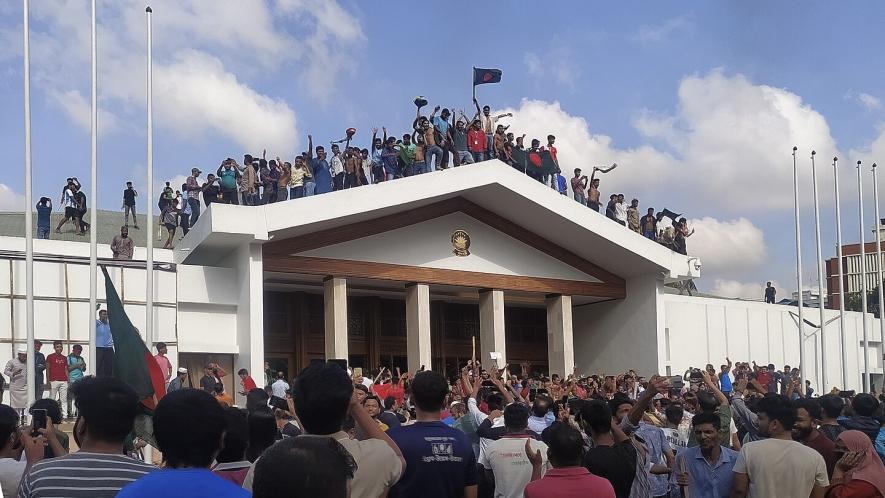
(76,371)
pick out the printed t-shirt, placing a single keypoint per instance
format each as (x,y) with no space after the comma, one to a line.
(439,461)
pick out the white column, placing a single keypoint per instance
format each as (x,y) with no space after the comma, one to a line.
(418,326)
(335,312)
(250,312)
(491,327)
(560,343)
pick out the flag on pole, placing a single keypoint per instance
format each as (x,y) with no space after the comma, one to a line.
(482,76)
(134,363)
(540,161)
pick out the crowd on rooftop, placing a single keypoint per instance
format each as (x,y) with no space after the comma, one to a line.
(336,431)
(437,141)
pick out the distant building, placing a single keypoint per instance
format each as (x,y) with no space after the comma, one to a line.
(851,269)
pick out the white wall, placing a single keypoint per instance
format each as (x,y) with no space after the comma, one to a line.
(706,330)
(615,336)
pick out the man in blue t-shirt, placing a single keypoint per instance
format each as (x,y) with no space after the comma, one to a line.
(189,425)
(439,459)
(44,209)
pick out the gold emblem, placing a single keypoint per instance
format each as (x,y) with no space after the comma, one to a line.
(461,243)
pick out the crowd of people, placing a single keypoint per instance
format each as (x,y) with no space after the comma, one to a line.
(437,141)
(744,430)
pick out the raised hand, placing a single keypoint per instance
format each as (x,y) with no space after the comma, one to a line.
(534,456)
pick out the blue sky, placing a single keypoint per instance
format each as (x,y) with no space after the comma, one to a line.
(699,102)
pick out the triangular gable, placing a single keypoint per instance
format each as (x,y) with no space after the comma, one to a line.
(429,245)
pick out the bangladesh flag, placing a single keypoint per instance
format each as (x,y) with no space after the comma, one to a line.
(539,162)
(134,363)
(482,76)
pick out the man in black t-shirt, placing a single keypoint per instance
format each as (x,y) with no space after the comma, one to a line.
(613,455)
(129,195)
(770,292)
(210,190)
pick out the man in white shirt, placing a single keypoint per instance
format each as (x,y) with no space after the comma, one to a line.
(778,466)
(280,386)
(505,460)
(621,210)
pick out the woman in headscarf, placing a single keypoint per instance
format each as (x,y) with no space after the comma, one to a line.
(859,473)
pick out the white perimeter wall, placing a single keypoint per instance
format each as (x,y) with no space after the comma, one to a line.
(706,330)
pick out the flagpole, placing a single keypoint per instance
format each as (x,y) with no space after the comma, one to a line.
(878,250)
(473,79)
(93,215)
(149,274)
(802,367)
(842,343)
(30,378)
(865,380)
(820,283)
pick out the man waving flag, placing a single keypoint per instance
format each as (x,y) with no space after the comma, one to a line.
(135,365)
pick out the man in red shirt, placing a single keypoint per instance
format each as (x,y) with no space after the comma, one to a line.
(246,381)
(57,374)
(165,364)
(567,478)
(477,142)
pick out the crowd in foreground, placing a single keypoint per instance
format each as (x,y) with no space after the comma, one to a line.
(742,431)
(438,141)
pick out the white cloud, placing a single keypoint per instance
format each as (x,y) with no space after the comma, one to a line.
(656,33)
(741,290)
(867,101)
(79,111)
(198,96)
(557,62)
(10,200)
(727,246)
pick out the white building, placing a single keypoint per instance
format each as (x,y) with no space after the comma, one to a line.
(384,275)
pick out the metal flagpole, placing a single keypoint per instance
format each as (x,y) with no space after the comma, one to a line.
(878,252)
(820,283)
(802,366)
(30,378)
(842,344)
(93,216)
(149,273)
(865,380)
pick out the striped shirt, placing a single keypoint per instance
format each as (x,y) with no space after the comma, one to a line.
(86,475)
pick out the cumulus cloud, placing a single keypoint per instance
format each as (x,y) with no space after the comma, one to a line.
(79,110)
(865,100)
(557,63)
(725,246)
(200,96)
(740,290)
(10,200)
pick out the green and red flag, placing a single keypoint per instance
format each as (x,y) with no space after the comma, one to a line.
(482,76)
(134,363)
(538,161)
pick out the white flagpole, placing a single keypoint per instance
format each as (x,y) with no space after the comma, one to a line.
(865,381)
(149,273)
(878,252)
(30,378)
(842,344)
(93,215)
(824,386)
(802,366)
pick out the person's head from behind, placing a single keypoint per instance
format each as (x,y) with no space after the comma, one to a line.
(321,395)
(864,405)
(707,402)
(706,427)
(429,391)
(256,398)
(775,415)
(831,405)
(674,413)
(495,401)
(236,435)
(8,427)
(262,432)
(389,403)
(304,466)
(189,425)
(565,445)
(106,410)
(516,417)
(541,405)
(53,409)
(596,417)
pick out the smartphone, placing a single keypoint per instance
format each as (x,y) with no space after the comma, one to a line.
(38,421)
